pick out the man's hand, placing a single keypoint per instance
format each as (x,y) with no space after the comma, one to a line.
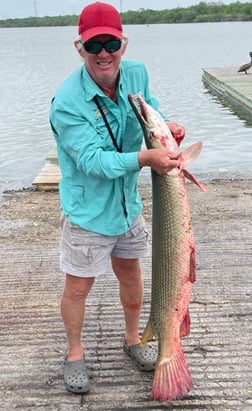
(159,159)
(177,131)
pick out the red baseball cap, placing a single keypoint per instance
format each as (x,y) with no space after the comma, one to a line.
(99,18)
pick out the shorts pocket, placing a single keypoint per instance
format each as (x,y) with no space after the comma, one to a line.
(138,228)
(89,248)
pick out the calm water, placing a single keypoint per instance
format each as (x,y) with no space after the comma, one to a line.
(35,61)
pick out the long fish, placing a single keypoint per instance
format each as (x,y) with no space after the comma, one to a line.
(173,258)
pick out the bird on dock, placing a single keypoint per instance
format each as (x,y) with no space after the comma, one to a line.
(246,66)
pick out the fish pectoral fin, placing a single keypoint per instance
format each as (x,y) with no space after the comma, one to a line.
(148,334)
(191,153)
(186,157)
(194,180)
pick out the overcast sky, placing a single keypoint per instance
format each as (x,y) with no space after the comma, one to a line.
(27,8)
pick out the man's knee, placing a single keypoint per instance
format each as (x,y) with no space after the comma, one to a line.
(124,266)
(77,287)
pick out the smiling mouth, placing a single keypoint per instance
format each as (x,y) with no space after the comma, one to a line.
(104,64)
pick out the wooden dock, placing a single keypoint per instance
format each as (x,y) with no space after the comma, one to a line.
(234,89)
(50,175)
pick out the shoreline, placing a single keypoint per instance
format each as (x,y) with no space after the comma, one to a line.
(224,189)
(8,183)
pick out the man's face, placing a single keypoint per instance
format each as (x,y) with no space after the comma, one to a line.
(104,66)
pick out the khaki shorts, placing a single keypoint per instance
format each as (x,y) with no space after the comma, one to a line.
(86,254)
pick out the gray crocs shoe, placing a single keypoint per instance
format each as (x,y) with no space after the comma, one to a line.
(144,357)
(76,377)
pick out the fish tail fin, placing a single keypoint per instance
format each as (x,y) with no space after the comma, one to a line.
(148,334)
(172,378)
(185,326)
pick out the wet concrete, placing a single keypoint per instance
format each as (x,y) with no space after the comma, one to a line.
(32,337)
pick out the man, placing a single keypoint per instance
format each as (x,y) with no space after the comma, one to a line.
(99,152)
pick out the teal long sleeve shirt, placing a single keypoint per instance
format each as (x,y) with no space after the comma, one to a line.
(98,188)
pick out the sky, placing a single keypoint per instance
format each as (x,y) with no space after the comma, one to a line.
(41,8)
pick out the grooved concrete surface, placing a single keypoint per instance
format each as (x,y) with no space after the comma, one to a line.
(32,338)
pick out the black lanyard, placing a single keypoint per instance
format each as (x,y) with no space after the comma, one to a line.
(119,149)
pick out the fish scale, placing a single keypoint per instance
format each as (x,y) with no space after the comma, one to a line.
(173,258)
(172,246)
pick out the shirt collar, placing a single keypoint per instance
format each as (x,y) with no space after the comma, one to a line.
(91,88)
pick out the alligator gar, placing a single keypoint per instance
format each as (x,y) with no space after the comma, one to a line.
(173,258)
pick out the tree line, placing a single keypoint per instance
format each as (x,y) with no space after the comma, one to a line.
(200,13)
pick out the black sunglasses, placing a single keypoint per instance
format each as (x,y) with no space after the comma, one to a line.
(95,47)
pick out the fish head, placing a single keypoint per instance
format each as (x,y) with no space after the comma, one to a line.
(158,135)
(156,132)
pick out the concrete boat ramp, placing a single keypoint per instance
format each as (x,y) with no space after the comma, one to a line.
(32,339)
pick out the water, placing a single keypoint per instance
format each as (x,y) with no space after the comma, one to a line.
(35,61)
